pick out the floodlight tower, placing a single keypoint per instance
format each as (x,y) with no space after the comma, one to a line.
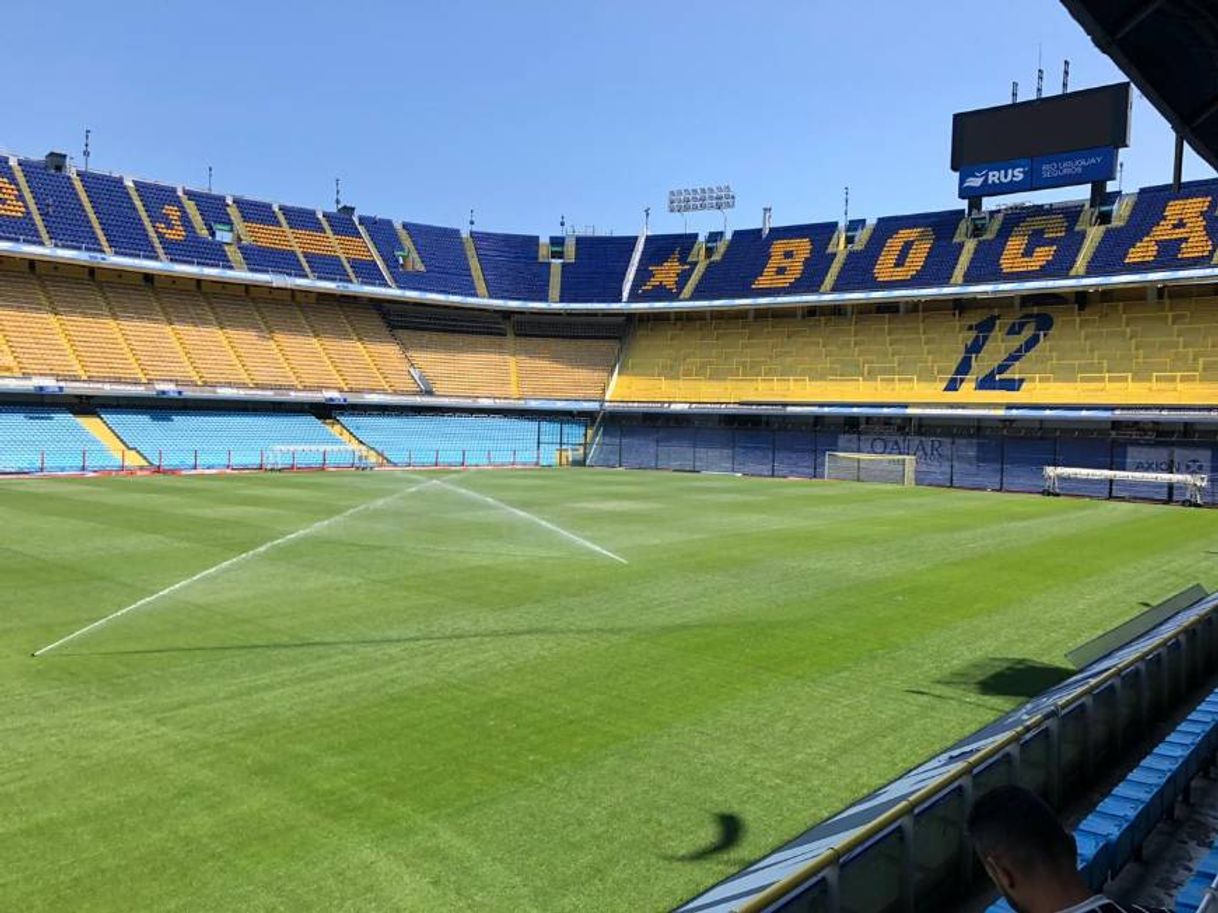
(702,199)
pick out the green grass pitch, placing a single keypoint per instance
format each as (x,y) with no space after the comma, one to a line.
(437,704)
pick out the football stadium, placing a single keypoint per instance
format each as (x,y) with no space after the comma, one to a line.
(360,563)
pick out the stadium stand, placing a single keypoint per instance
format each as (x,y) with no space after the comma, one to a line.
(444,261)
(217,440)
(664,267)
(177,234)
(790,260)
(1156,228)
(306,232)
(1164,230)
(1030,242)
(465,440)
(267,246)
(598,270)
(1117,352)
(1112,835)
(904,251)
(91,330)
(511,266)
(461,364)
(60,205)
(212,209)
(17,219)
(442,265)
(50,439)
(128,331)
(203,342)
(554,368)
(152,339)
(360,257)
(115,210)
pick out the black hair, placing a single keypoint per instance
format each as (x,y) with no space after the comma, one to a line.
(1016,825)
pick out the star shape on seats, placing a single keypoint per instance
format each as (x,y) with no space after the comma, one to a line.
(667,274)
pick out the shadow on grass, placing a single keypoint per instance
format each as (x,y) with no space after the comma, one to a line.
(624,631)
(730,832)
(1001,676)
(958,699)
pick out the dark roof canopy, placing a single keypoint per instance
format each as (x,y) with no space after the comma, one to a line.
(1169,49)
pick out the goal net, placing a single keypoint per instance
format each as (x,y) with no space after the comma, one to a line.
(315,456)
(1194,484)
(894,469)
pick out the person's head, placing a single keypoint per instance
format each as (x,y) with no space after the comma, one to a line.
(1029,856)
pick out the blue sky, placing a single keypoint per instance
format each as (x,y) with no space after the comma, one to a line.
(529,111)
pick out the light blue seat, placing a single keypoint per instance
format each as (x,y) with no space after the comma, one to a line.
(218,440)
(437,439)
(49,439)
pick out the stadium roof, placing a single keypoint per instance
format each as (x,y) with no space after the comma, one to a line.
(1169,49)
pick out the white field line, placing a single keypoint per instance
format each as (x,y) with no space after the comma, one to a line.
(230,562)
(533,518)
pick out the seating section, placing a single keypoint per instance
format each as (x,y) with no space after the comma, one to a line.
(316,246)
(1156,228)
(1031,243)
(1112,835)
(464,440)
(218,440)
(154,342)
(34,342)
(270,248)
(445,265)
(213,210)
(353,246)
(511,266)
(62,212)
(664,267)
(901,251)
(16,217)
(556,368)
(598,270)
(48,439)
(1165,230)
(116,213)
(791,260)
(461,364)
(441,255)
(1120,352)
(175,230)
(78,329)
(91,329)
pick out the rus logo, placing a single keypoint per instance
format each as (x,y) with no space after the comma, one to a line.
(997,176)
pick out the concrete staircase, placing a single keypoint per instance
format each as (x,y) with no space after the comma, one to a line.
(373,456)
(97,427)
(475,267)
(29,200)
(88,206)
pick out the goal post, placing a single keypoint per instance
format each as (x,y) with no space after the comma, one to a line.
(1194,483)
(315,456)
(892,469)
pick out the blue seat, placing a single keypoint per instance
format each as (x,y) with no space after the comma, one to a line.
(1149,799)
(1094,857)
